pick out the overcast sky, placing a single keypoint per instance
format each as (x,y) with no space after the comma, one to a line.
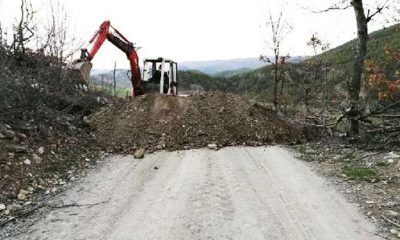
(196,29)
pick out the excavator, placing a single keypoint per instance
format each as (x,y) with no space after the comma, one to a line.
(165,81)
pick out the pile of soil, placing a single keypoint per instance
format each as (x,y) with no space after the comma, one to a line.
(156,122)
(38,154)
(39,157)
(44,142)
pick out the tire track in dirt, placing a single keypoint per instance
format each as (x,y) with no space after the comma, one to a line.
(234,193)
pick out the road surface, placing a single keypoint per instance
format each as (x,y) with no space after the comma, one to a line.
(234,193)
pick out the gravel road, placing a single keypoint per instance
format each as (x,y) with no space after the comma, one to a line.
(234,193)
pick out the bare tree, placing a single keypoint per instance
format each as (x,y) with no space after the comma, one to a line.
(57,41)
(3,37)
(363,17)
(25,29)
(310,76)
(279,29)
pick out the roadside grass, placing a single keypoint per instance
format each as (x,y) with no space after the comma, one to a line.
(360,173)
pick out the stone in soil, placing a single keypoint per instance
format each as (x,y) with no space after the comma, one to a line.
(41,150)
(212,146)
(8,134)
(12,208)
(36,158)
(19,148)
(139,153)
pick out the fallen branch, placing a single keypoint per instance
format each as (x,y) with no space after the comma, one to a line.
(350,154)
(29,212)
(379,111)
(369,155)
(24,214)
(187,130)
(153,133)
(390,221)
(340,119)
(384,130)
(379,235)
(386,116)
(388,140)
(77,205)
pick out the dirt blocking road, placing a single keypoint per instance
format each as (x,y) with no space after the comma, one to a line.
(234,193)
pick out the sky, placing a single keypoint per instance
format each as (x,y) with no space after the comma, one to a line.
(187,30)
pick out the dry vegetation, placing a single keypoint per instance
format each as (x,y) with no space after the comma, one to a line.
(43,139)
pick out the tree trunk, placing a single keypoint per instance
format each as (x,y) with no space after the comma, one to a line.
(282,79)
(275,102)
(114,79)
(326,87)
(20,30)
(356,81)
(307,99)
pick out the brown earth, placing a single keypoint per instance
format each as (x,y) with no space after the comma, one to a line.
(38,160)
(43,140)
(156,122)
(40,156)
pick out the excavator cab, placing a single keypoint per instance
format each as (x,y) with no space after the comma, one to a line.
(160,76)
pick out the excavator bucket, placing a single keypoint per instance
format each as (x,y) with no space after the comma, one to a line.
(80,71)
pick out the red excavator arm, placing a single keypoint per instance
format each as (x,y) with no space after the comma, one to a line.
(124,45)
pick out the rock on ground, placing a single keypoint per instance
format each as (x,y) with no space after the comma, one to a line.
(139,153)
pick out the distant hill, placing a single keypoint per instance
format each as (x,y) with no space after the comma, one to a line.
(226,67)
(217,66)
(379,40)
(101,77)
(231,73)
(260,81)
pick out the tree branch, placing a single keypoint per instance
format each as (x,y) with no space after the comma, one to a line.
(379,111)
(29,212)
(333,8)
(390,221)
(340,5)
(377,11)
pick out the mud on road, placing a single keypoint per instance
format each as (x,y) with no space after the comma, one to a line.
(234,193)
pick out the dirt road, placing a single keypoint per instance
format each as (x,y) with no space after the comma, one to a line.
(234,193)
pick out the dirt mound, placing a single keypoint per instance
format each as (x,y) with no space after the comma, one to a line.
(43,141)
(157,122)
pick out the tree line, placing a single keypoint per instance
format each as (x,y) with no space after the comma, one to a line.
(365,80)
